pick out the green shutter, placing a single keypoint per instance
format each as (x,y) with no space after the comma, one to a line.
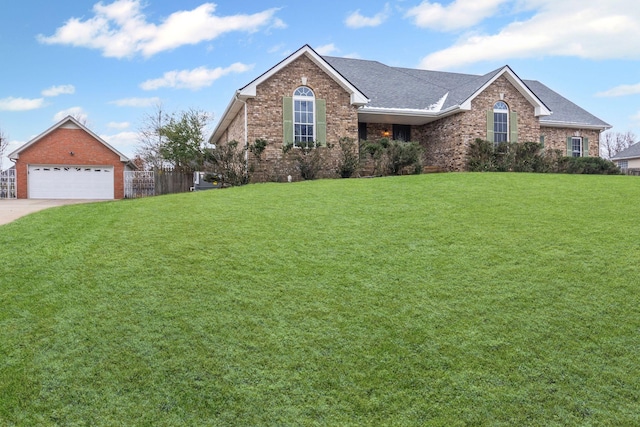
(287,120)
(542,140)
(321,122)
(569,147)
(585,147)
(513,127)
(490,125)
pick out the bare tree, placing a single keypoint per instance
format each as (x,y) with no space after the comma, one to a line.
(611,143)
(4,144)
(151,138)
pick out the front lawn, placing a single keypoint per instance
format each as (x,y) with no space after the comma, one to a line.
(448,299)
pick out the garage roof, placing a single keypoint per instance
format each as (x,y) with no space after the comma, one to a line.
(67,121)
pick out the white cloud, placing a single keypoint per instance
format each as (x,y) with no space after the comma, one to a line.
(356,20)
(136,102)
(454,16)
(76,112)
(621,90)
(120,29)
(59,90)
(118,125)
(125,142)
(580,28)
(20,104)
(193,79)
(327,49)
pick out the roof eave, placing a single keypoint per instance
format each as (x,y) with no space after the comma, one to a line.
(228,116)
(15,154)
(419,117)
(626,157)
(573,125)
(540,108)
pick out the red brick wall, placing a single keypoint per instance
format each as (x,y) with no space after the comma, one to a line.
(55,148)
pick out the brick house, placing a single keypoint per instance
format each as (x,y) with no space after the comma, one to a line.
(309,97)
(68,161)
(628,158)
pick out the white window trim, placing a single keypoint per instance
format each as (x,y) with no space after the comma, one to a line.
(307,98)
(506,113)
(573,151)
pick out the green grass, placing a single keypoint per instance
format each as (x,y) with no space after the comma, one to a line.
(449,299)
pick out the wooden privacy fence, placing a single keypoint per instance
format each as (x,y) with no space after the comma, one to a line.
(154,183)
(8,184)
(169,181)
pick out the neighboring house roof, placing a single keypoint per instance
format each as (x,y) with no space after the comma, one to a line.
(413,96)
(631,152)
(68,121)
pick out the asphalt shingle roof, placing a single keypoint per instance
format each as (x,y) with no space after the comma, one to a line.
(406,88)
(563,110)
(628,153)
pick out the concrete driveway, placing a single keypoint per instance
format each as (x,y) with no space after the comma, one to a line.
(12,209)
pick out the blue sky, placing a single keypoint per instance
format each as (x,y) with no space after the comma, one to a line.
(111,62)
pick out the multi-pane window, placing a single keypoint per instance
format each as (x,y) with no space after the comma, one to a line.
(576,146)
(500,122)
(623,164)
(303,116)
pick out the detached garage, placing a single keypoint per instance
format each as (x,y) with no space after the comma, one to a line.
(68,161)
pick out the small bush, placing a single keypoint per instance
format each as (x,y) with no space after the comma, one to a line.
(258,147)
(402,155)
(307,157)
(528,157)
(480,156)
(229,163)
(393,157)
(349,161)
(588,165)
(504,155)
(375,150)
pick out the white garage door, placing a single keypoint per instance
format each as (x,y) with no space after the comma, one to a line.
(70,182)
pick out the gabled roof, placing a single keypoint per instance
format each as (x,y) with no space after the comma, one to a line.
(427,95)
(357,97)
(67,122)
(249,91)
(632,152)
(415,97)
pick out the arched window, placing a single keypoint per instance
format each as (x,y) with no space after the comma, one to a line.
(500,122)
(303,116)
